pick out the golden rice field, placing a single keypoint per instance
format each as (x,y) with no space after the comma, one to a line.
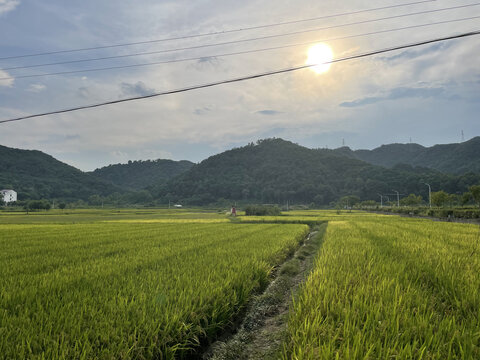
(129,290)
(155,284)
(386,287)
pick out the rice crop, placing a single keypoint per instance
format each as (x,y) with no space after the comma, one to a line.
(129,290)
(390,288)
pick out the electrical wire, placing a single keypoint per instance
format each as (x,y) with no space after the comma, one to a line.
(239,52)
(218,32)
(238,41)
(244,78)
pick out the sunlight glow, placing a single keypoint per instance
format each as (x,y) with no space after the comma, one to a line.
(319,54)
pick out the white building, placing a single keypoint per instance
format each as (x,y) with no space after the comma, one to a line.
(8,196)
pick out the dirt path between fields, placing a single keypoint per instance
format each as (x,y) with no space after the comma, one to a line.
(262,330)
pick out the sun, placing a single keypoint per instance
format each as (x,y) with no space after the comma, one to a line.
(322,55)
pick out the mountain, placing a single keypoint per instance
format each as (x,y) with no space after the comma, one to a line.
(275,170)
(34,175)
(458,158)
(137,175)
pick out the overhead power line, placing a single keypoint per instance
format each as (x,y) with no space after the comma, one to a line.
(219,32)
(244,78)
(237,52)
(238,41)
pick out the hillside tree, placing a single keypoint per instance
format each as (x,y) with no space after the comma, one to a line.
(475,191)
(411,200)
(440,198)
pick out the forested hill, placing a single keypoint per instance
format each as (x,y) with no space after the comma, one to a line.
(137,175)
(275,170)
(34,175)
(459,158)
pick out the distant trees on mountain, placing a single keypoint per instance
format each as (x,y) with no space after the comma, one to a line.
(277,171)
(270,171)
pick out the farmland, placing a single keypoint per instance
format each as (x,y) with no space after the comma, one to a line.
(138,288)
(159,284)
(389,287)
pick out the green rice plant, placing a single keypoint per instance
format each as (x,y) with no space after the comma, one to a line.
(129,289)
(390,288)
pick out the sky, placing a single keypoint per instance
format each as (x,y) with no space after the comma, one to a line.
(426,95)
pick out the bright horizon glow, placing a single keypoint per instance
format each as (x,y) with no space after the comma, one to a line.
(320,54)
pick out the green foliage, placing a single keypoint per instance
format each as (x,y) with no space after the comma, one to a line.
(37,205)
(275,171)
(475,191)
(460,158)
(262,210)
(368,203)
(411,200)
(35,175)
(349,201)
(466,198)
(439,198)
(138,175)
(62,205)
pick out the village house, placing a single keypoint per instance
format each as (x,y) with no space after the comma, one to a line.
(8,196)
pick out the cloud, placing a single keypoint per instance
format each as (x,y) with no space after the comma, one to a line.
(398,93)
(8,82)
(202,111)
(137,89)
(83,92)
(36,88)
(268,112)
(416,53)
(8,5)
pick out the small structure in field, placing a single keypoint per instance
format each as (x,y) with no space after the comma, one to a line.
(8,196)
(177,206)
(233,211)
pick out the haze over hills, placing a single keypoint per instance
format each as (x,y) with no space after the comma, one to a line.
(137,175)
(270,171)
(458,158)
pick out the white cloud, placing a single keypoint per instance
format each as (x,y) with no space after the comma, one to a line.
(8,5)
(8,82)
(36,88)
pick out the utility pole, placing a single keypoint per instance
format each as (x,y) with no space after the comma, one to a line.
(463,137)
(430,193)
(398,197)
(381,200)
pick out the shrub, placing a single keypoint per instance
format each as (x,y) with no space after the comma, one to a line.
(262,210)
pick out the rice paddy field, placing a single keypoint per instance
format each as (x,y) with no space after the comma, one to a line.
(157,284)
(136,288)
(387,287)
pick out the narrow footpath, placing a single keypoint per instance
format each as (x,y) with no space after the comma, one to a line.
(262,330)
